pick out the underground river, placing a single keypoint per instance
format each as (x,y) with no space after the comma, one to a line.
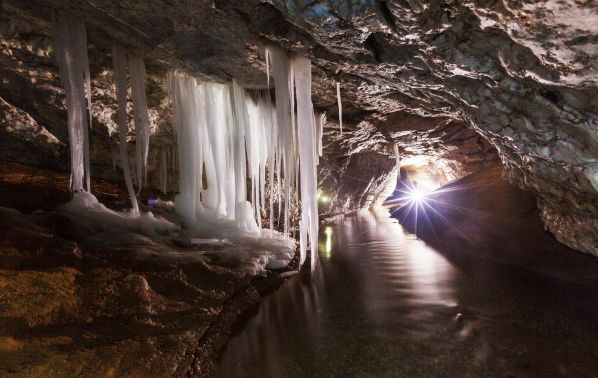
(383,303)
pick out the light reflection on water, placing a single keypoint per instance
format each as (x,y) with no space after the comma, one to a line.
(327,247)
(383,303)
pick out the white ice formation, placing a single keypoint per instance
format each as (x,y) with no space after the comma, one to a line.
(239,154)
(397,158)
(88,212)
(70,44)
(120,77)
(140,117)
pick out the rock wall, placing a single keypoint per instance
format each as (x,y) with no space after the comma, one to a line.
(521,74)
(358,169)
(422,74)
(32,101)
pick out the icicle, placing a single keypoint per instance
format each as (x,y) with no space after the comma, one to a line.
(340,106)
(256,150)
(71,53)
(120,77)
(283,85)
(267,152)
(141,117)
(272,132)
(241,120)
(279,183)
(189,123)
(222,131)
(398,158)
(267,68)
(321,133)
(80,36)
(307,156)
(319,121)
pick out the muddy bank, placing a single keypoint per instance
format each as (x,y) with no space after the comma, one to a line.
(75,303)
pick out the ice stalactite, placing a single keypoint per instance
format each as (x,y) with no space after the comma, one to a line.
(340,106)
(189,122)
(281,72)
(138,77)
(120,77)
(267,68)
(241,134)
(299,136)
(398,158)
(70,44)
(82,54)
(308,158)
(211,123)
(227,136)
(141,117)
(320,120)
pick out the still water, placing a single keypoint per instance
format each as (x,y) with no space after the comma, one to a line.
(383,303)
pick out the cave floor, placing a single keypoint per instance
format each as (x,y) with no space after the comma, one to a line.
(77,303)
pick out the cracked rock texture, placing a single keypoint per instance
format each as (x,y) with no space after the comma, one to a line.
(77,302)
(358,169)
(454,83)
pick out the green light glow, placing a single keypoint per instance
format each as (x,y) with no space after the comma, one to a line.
(328,245)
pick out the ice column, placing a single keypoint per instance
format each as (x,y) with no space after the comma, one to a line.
(308,156)
(120,77)
(398,158)
(281,72)
(228,136)
(189,125)
(320,120)
(70,44)
(141,117)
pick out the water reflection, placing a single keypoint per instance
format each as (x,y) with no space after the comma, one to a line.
(327,244)
(386,304)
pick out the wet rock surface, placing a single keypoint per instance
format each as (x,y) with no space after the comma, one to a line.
(74,302)
(520,75)
(457,85)
(358,169)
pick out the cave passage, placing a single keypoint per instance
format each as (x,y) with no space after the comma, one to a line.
(258,188)
(384,303)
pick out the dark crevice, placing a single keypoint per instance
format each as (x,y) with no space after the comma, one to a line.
(371,43)
(551,96)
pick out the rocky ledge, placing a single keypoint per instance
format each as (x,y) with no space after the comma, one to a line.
(75,302)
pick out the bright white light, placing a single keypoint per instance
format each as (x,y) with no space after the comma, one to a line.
(322,197)
(417,195)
